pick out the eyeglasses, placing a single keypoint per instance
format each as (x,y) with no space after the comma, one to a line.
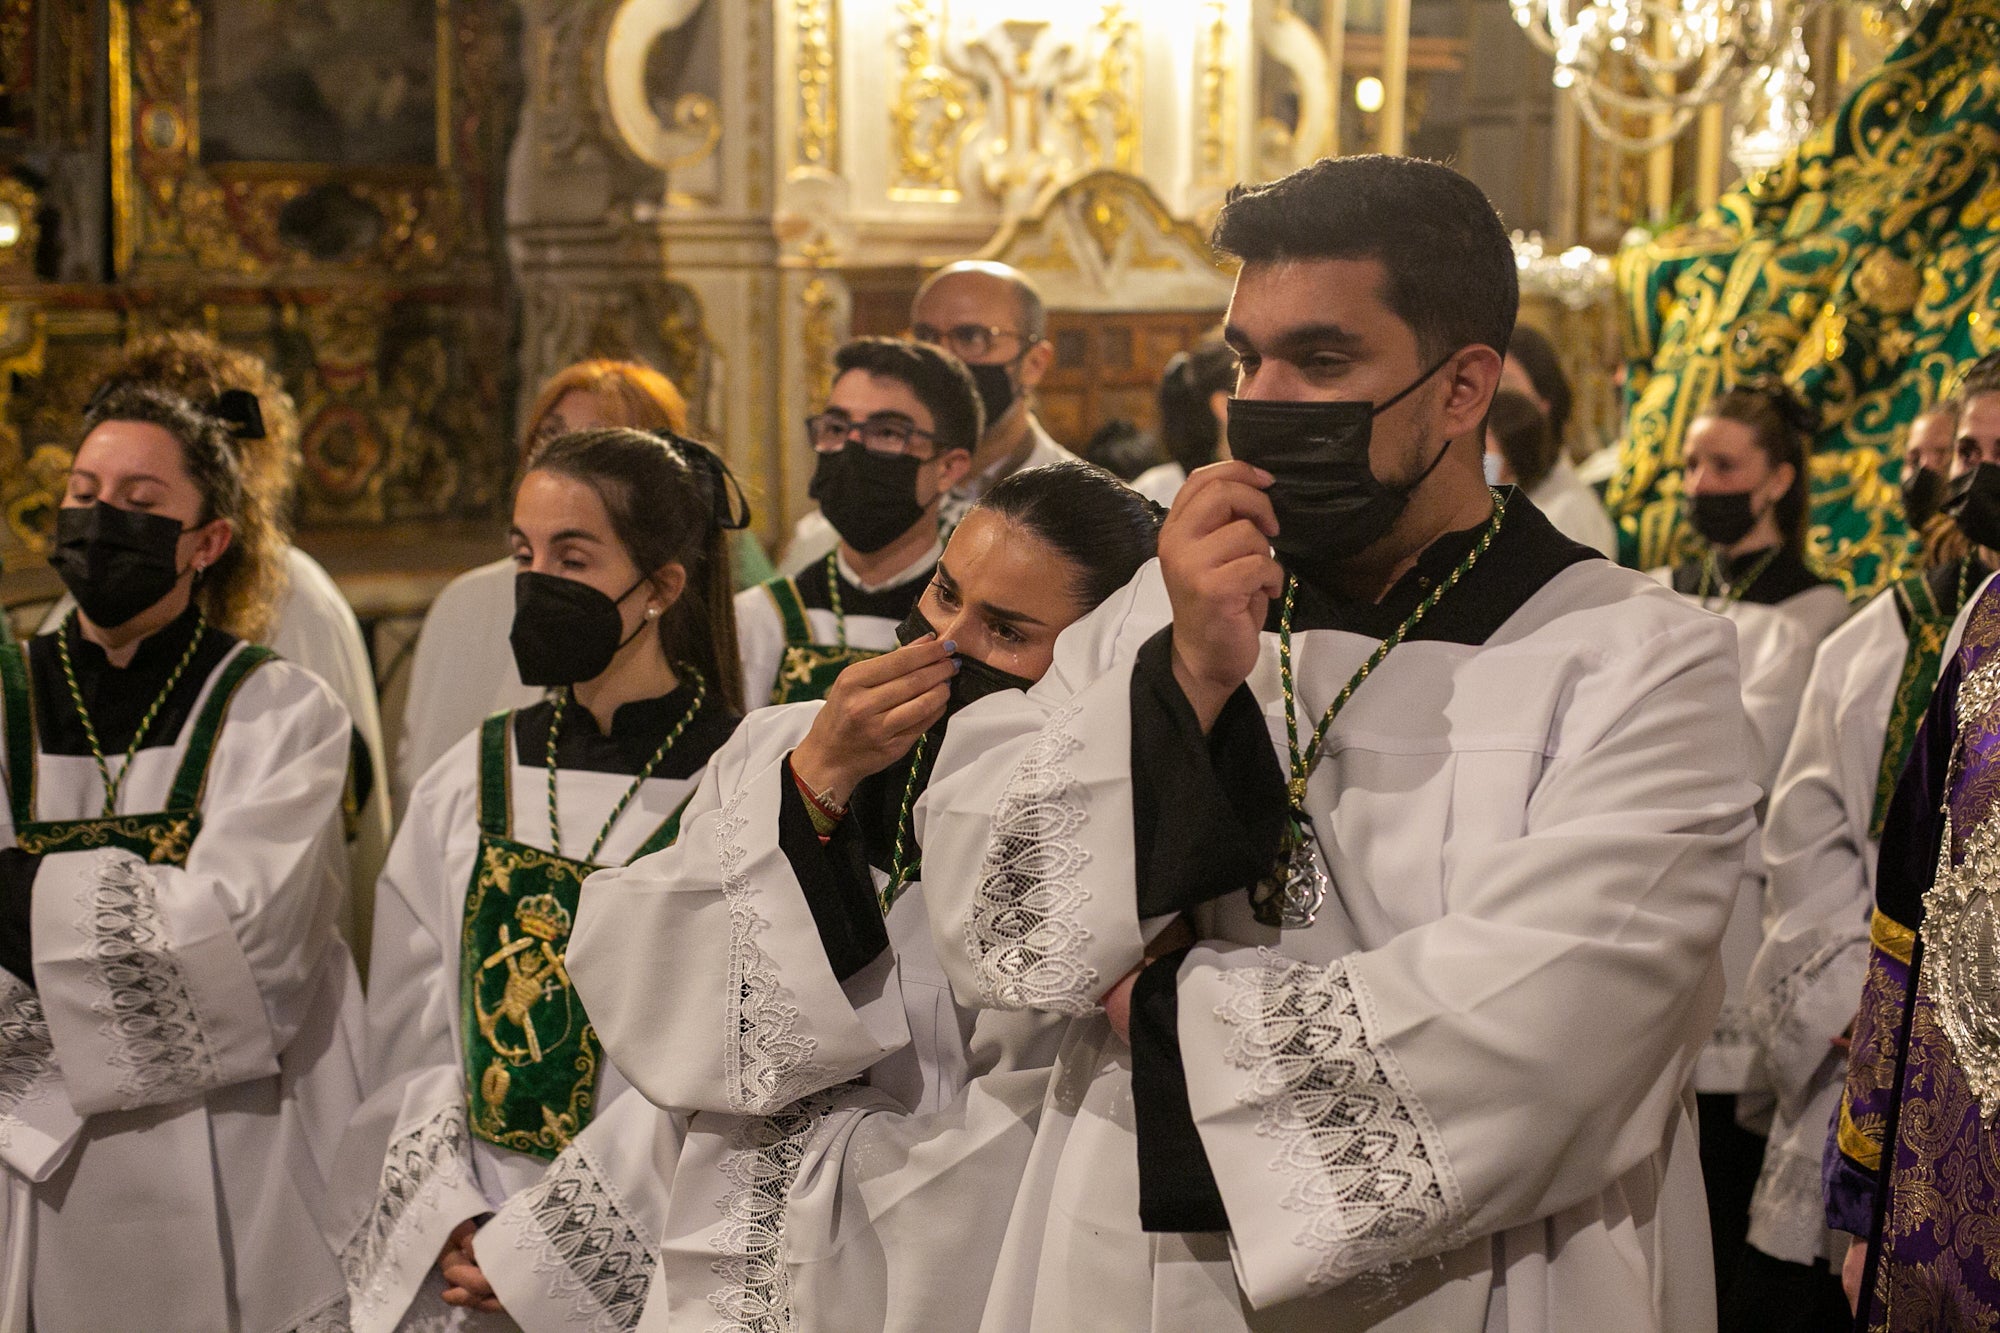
(967,342)
(884,433)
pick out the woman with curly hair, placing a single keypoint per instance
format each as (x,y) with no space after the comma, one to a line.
(294,606)
(179,1015)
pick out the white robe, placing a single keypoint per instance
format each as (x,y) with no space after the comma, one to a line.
(1162,482)
(461,672)
(1458,1101)
(1776,644)
(1575,509)
(316,628)
(850,1142)
(1805,985)
(167,1132)
(760,629)
(573,1240)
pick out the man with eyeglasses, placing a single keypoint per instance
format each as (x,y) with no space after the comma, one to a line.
(898,431)
(989,316)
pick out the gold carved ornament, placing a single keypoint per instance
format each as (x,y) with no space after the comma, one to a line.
(1101,109)
(1214,90)
(929,114)
(816,132)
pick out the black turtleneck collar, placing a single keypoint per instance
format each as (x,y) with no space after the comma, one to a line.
(1526,553)
(1783,579)
(637,729)
(118,697)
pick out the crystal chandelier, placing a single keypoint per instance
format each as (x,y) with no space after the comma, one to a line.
(1664,60)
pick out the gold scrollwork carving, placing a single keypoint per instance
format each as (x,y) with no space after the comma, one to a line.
(930,112)
(1102,108)
(818,334)
(1214,92)
(816,141)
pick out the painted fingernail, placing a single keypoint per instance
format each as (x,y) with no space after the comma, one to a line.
(950,646)
(957,665)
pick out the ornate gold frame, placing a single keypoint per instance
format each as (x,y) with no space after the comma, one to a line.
(171,213)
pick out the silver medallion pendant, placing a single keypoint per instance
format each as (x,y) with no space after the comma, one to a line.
(1291,893)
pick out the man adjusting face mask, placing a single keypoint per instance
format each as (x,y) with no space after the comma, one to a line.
(1324,492)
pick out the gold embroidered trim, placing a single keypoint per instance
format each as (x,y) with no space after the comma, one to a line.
(1855,1144)
(1898,941)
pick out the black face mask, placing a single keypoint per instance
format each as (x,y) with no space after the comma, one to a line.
(565,631)
(871,499)
(115,562)
(1721,518)
(974,681)
(996,390)
(1328,501)
(1974,504)
(1923,493)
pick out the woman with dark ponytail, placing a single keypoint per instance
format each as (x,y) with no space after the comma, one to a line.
(1747,494)
(773,976)
(484,1068)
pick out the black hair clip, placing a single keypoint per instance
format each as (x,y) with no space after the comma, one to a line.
(97,397)
(731,510)
(239,410)
(1793,410)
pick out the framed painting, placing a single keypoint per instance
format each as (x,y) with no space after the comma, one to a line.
(295,139)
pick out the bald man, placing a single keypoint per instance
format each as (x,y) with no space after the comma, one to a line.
(991,317)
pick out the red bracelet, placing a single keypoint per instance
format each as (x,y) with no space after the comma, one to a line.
(826,816)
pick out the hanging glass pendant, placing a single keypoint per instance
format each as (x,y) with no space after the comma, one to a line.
(1291,893)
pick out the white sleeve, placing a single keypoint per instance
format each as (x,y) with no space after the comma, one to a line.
(403,1177)
(760,642)
(163,982)
(1776,664)
(1805,985)
(37,1122)
(578,1248)
(1029,790)
(701,966)
(897,1220)
(1523,1050)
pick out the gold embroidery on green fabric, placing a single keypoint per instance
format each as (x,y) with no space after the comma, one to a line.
(533,1068)
(163,839)
(808,670)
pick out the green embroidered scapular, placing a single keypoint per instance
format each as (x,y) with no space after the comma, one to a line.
(1929,625)
(162,837)
(531,1056)
(807,670)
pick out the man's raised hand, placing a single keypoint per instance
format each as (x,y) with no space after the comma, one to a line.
(1215,555)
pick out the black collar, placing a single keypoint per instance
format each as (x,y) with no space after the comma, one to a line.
(637,729)
(891,603)
(1525,555)
(1943,582)
(118,697)
(1783,579)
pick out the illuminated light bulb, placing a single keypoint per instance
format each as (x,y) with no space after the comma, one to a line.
(1368,94)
